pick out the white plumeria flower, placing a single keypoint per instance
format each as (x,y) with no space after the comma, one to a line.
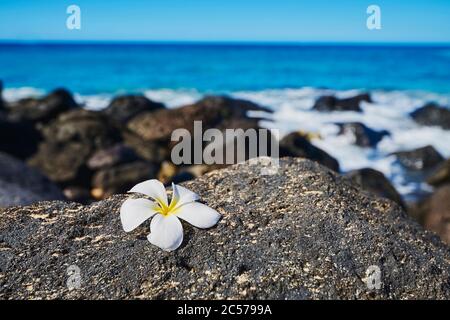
(166,230)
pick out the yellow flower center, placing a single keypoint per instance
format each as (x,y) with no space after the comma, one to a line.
(165,209)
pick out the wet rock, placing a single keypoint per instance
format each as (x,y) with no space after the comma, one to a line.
(121,178)
(331,103)
(432,115)
(123,108)
(112,156)
(441,175)
(434,212)
(214,112)
(22,185)
(363,136)
(375,182)
(296,145)
(304,232)
(424,158)
(42,109)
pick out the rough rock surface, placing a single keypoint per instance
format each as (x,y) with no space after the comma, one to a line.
(432,115)
(302,233)
(21,185)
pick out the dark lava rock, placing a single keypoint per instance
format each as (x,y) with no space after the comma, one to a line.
(296,145)
(90,127)
(18,138)
(70,141)
(214,112)
(121,178)
(63,163)
(43,109)
(1,95)
(123,108)
(21,185)
(363,135)
(331,103)
(303,233)
(419,159)
(434,212)
(112,156)
(153,151)
(432,115)
(441,175)
(376,183)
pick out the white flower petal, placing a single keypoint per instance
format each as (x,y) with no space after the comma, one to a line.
(152,188)
(166,232)
(198,214)
(133,212)
(182,196)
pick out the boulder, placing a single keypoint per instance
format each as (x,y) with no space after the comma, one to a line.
(18,138)
(63,163)
(432,115)
(214,112)
(152,151)
(302,233)
(42,109)
(363,136)
(121,178)
(117,154)
(434,212)
(90,127)
(69,142)
(441,175)
(22,185)
(424,158)
(123,108)
(375,182)
(331,103)
(296,145)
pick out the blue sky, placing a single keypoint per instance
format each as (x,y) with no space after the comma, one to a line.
(227,20)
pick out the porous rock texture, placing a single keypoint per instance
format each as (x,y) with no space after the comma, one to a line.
(303,232)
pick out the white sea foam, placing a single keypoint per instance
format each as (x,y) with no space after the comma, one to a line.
(292,111)
(14,94)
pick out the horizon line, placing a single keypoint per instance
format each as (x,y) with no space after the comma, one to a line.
(220,42)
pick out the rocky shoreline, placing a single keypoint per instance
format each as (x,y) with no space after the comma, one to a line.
(303,233)
(91,155)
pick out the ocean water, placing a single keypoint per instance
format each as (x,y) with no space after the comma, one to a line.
(286,78)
